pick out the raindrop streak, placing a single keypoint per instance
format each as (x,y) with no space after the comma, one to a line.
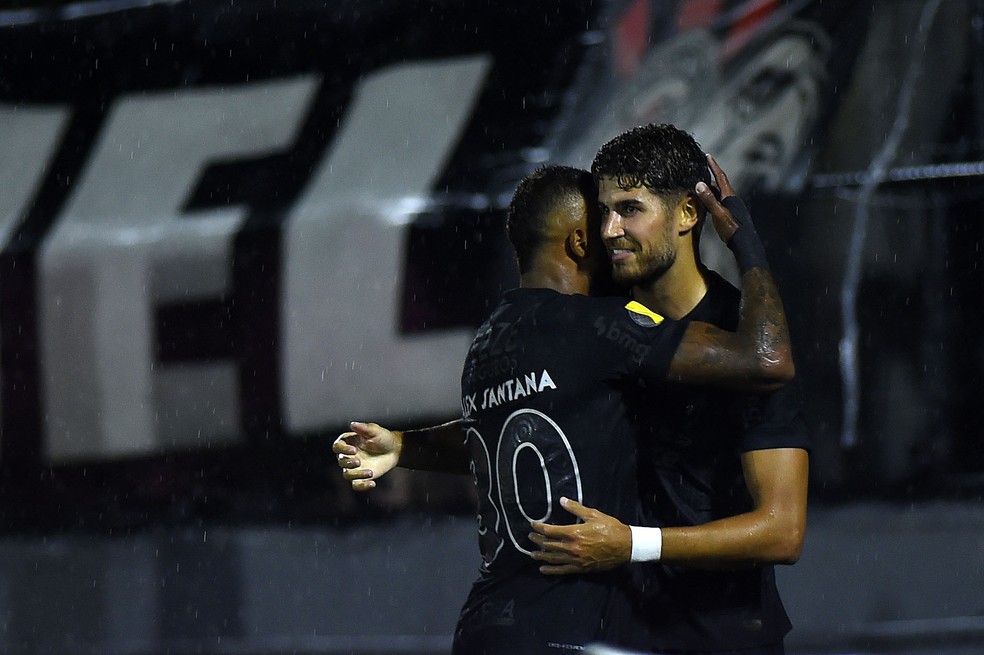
(876,174)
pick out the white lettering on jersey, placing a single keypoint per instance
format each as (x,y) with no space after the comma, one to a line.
(512,390)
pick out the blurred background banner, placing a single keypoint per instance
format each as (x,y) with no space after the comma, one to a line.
(230,223)
(227,228)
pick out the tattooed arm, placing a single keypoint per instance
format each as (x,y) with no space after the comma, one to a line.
(757,356)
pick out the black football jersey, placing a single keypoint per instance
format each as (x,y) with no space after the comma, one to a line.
(689,474)
(544,417)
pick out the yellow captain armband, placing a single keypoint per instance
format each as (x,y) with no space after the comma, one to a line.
(642,315)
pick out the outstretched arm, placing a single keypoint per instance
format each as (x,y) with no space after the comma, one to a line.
(439,448)
(370,451)
(772,532)
(757,356)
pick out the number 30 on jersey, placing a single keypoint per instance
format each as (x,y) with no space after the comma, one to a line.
(534,465)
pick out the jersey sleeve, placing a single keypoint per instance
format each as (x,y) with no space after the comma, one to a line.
(630,340)
(774,420)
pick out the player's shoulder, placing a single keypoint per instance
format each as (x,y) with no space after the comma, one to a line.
(616,308)
(553,310)
(721,303)
(720,290)
(555,303)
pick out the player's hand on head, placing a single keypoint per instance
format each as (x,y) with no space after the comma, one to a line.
(598,543)
(724,221)
(720,179)
(368,452)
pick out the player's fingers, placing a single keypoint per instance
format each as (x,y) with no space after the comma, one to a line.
(709,200)
(547,530)
(551,557)
(563,569)
(538,539)
(357,474)
(340,445)
(720,177)
(577,509)
(348,462)
(366,430)
(724,221)
(555,546)
(363,485)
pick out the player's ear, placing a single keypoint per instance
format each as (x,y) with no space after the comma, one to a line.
(688,213)
(577,244)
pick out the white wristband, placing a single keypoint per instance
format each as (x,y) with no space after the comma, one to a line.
(647,544)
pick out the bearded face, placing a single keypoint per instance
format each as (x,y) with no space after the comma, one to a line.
(639,232)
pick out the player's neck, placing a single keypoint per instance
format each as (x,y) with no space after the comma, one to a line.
(559,276)
(677,291)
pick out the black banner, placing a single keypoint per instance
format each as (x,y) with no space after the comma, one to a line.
(229,228)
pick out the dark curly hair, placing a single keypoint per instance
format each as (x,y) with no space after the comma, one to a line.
(664,159)
(539,193)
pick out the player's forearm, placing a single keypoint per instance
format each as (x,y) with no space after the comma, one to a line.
(762,332)
(753,538)
(772,532)
(439,448)
(733,543)
(757,356)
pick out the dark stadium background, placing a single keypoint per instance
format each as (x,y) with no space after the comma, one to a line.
(171,379)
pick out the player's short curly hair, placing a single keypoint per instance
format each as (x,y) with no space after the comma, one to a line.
(661,157)
(538,194)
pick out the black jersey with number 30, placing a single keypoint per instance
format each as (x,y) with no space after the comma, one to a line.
(542,401)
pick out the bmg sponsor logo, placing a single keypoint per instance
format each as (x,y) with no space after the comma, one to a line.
(611,330)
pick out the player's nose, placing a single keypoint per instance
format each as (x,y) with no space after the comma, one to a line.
(611,226)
